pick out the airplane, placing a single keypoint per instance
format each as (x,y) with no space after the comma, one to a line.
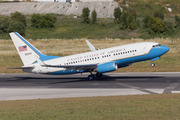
(97,60)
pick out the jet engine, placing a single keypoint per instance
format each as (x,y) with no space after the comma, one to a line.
(107,67)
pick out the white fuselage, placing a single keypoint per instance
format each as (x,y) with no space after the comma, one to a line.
(98,56)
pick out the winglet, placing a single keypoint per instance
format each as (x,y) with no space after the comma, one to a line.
(91,47)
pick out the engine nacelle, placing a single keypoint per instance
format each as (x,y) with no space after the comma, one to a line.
(107,67)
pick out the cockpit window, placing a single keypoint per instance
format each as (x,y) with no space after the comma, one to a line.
(157,45)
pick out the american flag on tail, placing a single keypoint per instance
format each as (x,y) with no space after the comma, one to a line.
(22,48)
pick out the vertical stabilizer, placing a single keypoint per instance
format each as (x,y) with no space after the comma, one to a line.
(25,49)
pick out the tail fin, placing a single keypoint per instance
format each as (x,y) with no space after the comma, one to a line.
(25,49)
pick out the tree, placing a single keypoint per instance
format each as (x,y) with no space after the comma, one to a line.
(85,15)
(117,14)
(17,16)
(156,26)
(94,16)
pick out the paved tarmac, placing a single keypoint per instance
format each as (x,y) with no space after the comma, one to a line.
(34,86)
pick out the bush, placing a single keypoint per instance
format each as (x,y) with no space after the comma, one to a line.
(35,20)
(85,15)
(156,26)
(17,16)
(133,12)
(145,21)
(131,22)
(159,14)
(103,23)
(50,17)
(4,23)
(94,16)
(117,14)
(127,21)
(123,18)
(168,28)
(177,21)
(16,26)
(43,21)
(8,25)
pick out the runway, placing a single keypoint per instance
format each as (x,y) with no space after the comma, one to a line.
(34,86)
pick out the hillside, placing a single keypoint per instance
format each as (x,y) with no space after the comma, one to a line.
(149,6)
(68,27)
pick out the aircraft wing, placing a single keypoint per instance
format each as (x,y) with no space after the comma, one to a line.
(74,67)
(91,47)
(68,67)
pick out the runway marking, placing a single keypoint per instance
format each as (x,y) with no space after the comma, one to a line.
(95,84)
(31,93)
(170,88)
(175,91)
(137,88)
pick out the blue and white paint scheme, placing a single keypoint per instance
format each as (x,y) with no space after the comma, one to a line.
(99,61)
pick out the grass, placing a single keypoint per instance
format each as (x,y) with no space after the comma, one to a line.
(139,107)
(67,27)
(62,47)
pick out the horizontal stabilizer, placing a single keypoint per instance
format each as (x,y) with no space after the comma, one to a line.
(20,68)
(41,63)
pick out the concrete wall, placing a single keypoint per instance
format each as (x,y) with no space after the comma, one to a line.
(103,9)
(96,0)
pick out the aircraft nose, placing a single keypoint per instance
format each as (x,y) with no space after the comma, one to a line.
(164,49)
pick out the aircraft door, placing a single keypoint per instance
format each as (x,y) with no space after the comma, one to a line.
(145,50)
